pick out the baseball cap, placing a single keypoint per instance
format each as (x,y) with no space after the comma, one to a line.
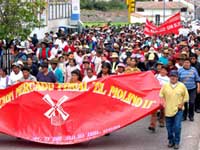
(173,73)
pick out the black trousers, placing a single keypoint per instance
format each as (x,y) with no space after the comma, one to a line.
(197,102)
(190,110)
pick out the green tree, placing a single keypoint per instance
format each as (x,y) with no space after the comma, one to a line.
(19,17)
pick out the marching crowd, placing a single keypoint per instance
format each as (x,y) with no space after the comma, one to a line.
(102,51)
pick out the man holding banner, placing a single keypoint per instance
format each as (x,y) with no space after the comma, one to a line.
(175,94)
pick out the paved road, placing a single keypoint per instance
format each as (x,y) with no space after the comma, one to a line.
(133,137)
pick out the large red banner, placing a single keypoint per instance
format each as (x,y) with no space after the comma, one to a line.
(171,25)
(72,113)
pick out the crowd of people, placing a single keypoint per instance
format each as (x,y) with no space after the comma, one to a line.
(103,51)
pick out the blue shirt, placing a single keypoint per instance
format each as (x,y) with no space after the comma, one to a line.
(189,77)
(163,60)
(59,75)
(50,77)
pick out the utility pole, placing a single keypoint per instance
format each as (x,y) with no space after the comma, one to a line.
(164,9)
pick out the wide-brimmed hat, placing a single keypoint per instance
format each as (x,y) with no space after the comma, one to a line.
(166,51)
(15,64)
(183,53)
(29,39)
(46,42)
(183,43)
(21,47)
(55,35)
(114,55)
(54,61)
(115,45)
(19,62)
(130,49)
(29,51)
(121,65)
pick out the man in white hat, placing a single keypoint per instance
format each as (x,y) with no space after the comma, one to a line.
(16,73)
(114,62)
(54,50)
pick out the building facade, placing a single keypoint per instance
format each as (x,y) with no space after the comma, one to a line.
(56,13)
(158,11)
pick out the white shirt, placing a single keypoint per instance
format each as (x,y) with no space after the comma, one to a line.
(178,66)
(79,59)
(15,77)
(62,44)
(69,69)
(54,52)
(162,79)
(87,79)
(97,62)
(4,82)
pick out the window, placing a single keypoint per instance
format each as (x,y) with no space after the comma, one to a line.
(59,10)
(140,9)
(184,9)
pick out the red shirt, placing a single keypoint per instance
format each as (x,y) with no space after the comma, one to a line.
(71,47)
(43,54)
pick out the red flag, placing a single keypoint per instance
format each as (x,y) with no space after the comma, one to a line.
(73,113)
(171,25)
(150,28)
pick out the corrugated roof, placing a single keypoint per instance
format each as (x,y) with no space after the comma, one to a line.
(159,5)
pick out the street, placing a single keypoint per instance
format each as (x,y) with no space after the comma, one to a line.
(133,137)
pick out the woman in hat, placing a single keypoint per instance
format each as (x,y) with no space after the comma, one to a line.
(120,69)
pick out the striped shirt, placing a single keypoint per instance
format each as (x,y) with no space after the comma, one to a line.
(189,77)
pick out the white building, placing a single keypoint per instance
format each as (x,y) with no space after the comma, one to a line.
(158,10)
(56,13)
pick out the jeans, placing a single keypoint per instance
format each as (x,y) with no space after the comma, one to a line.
(192,97)
(173,125)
